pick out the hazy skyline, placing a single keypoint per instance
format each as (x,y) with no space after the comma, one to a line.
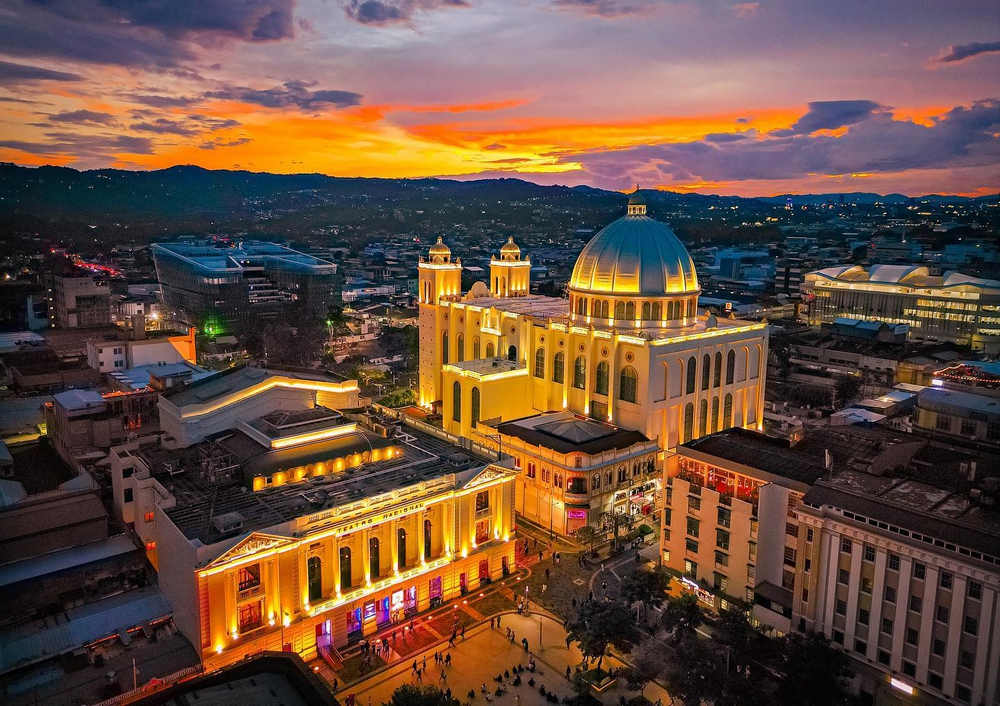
(749,98)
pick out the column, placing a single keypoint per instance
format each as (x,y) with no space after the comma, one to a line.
(335,543)
(421,519)
(828,583)
(365,558)
(878,597)
(231,620)
(899,620)
(983,688)
(850,624)
(929,609)
(270,589)
(394,544)
(958,592)
(303,596)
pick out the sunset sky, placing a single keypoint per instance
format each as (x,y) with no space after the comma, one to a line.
(748,98)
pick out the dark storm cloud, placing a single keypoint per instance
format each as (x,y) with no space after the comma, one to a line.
(140,33)
(82,117)
(290,94)
(963,137)
(961,52)
(830,115)
(387,12)
(12,74)
(193,125)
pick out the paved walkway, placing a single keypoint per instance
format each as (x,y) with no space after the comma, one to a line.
(484,654)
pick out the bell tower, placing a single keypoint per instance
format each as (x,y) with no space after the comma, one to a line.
(510,276)
(440,280)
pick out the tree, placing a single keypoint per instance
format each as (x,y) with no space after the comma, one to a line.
(813,673)
(682,616)
(743,642)
(588,534)
(649,587)
(420,695)
(600,625)
(647,665)
(692,675)
(847,388)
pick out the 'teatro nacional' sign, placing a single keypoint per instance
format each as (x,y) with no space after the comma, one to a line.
(378,519)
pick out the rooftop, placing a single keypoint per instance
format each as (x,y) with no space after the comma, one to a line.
(235,380)
(564,433)
(205,256)
(423,458)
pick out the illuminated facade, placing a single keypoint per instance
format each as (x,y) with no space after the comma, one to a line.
(301,528)
(954,307)
(627,347)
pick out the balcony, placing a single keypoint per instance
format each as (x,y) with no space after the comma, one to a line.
(247,593)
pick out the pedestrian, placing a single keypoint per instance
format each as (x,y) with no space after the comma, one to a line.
(539,556)
(336,683)
(524,643)
(512,636)
(411,624)
(394,636)
(419,677)
(425,661)
(413,669)
(602,567)
(443,678)
(498,621)
(546,573)
(447,659)
(463,632)
(569,672)
(493,623)
(451,640)
(545,587)
(447,693)
(369,701)
(517,700)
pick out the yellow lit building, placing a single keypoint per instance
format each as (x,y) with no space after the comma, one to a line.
(628,346)
(284,524)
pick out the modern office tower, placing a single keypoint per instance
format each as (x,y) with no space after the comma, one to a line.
(953,307)
(218,287)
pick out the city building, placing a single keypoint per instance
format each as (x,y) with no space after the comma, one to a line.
(78,300)
(578,471)
(628,347)
(953,307)
(277,522)
(113,353)
(904,576)
(216,286)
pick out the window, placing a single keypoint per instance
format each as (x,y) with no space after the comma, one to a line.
(963,693)
(727,411)
(148,517)
(725,516)
(715,413)
(628,384)
(456,402)
(540,363)
(919,570)
(490,349)
(934,680)
(807,565)
(127,472)
(841,608)
(619,310)
(916,603)
(694,503)
(869,553)
(944,580)
(703,418)
(559,367)
(558,480)
(722,539)
(890,594)
(460,347)
(894,562)
(883,657)
(483,500)
(622,474)
(546,475)
(838,637)
(721,558)
(866,584)
(475,406)
(444,348)
(314,578)
(645,311)
(809,535)
(150,546)
(730,367)
(971,625)
(476,349)
(887,626)
(580,373)
(943,422)
(656,311)
(251,616)
(693,526)
(690,568)
(790,553)
(530,471)
(248,577)
(863,616)
(844,577)
(706,364)
(692,374)
(942,614)
(937,647)
(966,659)
(752,573)
(688,421)
(912,636)
(128,495)
(791,529)
(717,380)
(845,545)
(720,582)
(969,427)
(860,646)
(602,378)
(975,590)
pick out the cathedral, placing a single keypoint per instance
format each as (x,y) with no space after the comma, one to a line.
(628,346)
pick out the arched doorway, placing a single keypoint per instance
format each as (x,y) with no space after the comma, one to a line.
(512,353)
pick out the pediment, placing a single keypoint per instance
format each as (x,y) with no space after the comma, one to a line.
(253,543)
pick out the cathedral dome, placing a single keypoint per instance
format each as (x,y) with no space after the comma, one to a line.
(440,249)
(510,250)
(635,256)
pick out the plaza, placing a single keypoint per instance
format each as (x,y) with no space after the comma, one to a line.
(485,653)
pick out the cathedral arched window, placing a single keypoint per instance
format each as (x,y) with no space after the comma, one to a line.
(602,378)
(688,421)
(580,372)
(656,311)
(715,414)
(628,385)
(559,367)
(706,365)
(718,369)
(476,348)
(540,363)
(444,348)
(645,311)
(460,347)
(703,418)
(475,406)
(512,353)
(630,311)
(619,310)
(491,350)
(692,374)
(730,367)
(727,412)
(456,402)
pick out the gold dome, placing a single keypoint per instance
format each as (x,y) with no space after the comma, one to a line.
(440,249)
